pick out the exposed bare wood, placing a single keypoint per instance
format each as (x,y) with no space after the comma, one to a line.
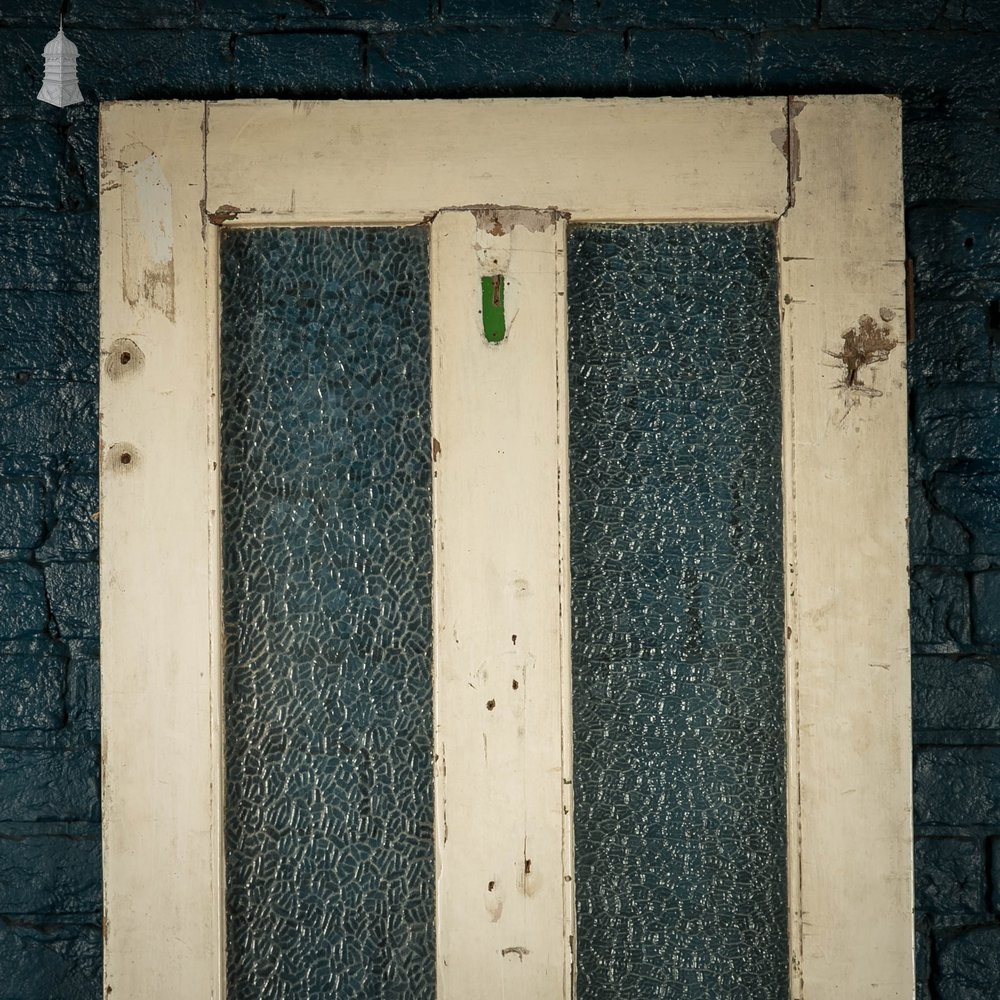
(844,396)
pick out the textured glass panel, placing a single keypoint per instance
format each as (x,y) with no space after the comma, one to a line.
(677,613)
(327,554)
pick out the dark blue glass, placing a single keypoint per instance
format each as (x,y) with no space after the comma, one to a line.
(327,577)
(678,676)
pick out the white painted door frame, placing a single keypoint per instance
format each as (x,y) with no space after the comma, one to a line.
(826,170)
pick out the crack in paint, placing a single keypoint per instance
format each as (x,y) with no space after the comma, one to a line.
(787,140)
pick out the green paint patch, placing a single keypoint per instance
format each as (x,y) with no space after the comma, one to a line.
(494,324)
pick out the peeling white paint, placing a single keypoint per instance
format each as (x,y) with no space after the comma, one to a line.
(154,214)
(499,221)
(148,251)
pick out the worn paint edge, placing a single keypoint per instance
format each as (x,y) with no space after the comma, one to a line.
(792,626)
(561,325)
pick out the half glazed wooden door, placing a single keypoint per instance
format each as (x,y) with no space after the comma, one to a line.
(566,486)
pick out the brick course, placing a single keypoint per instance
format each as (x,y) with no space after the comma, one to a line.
(942,57)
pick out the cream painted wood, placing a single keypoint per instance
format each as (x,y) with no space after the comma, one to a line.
(160,609)
(844,482)
(385,161)
(845,488)
(501,614)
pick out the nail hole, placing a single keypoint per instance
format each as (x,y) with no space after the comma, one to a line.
(125,357)
(126,458)
(490,705)
(969,241)
(491,886)
(514,685)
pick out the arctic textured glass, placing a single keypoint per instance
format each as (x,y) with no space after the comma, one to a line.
(327,553)
(677,613)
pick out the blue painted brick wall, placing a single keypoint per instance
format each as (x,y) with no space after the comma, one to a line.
(943,56)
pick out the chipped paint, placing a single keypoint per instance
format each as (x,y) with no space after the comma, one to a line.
(493,231)
(868,343)
(795,108)
(779,136)
(499,221)
(148,250)
(492,243)
(494,900)
(224,213)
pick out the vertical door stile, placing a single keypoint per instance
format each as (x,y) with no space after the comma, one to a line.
(503,793)
(565,614)
(161,640)
(843,306)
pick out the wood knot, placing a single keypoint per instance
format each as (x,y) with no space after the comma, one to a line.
(124,358)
